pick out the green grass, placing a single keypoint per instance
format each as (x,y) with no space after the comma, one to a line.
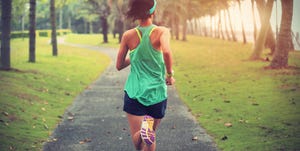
(219,86)
(34,96)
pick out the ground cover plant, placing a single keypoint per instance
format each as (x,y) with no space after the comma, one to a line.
(34,96)
(240,103)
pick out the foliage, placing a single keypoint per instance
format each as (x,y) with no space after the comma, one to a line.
(220,87)
(34,96)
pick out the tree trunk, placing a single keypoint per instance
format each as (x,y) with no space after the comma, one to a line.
(85,26)
(196,29)
(211,26)
(254,21)
(32,31)
(70,22)
(5,36)
(226,28)
(91,27)
(230,24)
(199,22)
(104,26)
(176,27)
(280,59)
(217,34)
(61,18)
(260,41)
(23,23)
(220,26)
(184,30)
(242,23)
(270,39)
(120,28)
(53,28)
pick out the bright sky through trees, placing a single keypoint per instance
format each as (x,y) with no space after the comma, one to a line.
(248,22)
(247,16)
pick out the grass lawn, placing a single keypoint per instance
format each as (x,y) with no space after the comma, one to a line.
(260,107)
(34,96)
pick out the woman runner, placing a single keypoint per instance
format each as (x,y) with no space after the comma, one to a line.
(150,57)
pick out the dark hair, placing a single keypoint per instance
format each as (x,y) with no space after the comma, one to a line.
(139,9)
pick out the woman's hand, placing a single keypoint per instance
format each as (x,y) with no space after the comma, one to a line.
(170,80)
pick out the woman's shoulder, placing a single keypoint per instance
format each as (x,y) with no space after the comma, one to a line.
(129,32)
(162,29)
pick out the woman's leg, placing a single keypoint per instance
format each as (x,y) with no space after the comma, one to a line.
(135,123)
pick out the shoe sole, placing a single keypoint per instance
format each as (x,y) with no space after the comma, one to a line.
(147,130)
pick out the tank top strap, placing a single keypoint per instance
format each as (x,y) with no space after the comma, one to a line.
(145,31)
(138,33)
(152,30)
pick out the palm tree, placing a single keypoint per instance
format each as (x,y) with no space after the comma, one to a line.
(5,36)
(53,28)
(254,20)
(185,17)
(230,24)
(220,25)
(260,41)
(167,15)
(226,26)
(280,59)
(270,39)
(242,22)
(32,31)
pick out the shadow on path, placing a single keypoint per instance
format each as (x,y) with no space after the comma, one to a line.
(95,121)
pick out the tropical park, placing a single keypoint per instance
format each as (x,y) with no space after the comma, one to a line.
(236,65)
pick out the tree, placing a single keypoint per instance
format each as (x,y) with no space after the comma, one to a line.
(117,18)
(32,11)
(254,20)
(280,59)
(260,41)
(270,39)
(226,29)
(19,11)
(242,23)
(53,28)
(101,8)
(5,36)
(230,24)
(220,25)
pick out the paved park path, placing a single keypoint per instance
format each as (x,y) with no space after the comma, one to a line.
(95,121)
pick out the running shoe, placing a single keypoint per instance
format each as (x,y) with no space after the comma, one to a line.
(147,132)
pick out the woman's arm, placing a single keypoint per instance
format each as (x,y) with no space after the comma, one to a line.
(122,60)
(165,46)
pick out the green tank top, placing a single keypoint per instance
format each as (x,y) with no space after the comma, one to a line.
(146,80)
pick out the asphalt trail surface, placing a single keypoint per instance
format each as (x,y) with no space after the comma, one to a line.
(95,121)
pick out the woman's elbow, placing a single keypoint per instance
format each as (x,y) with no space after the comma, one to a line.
(119,67)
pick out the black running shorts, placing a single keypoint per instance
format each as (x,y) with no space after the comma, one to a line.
(134,107)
